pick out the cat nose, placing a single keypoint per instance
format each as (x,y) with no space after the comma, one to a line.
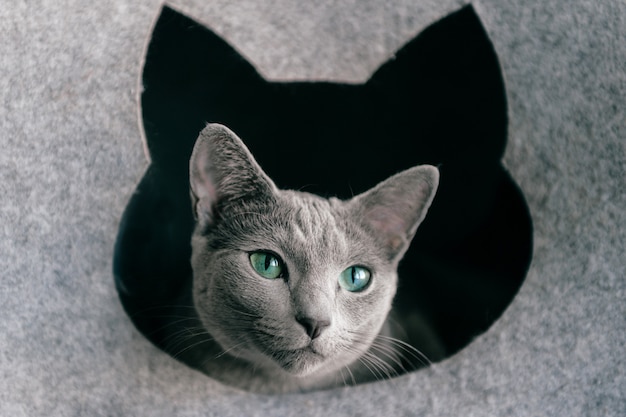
(312,326)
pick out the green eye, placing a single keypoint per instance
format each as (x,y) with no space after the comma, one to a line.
(267,265)
(355,278)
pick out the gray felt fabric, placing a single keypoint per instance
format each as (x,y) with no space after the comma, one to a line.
(71,154)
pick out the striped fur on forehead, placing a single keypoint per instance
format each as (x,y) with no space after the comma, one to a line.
(314,233)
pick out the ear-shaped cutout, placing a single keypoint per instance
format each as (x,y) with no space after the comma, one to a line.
(395,208)
(222,170)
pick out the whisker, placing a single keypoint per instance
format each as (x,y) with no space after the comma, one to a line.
(191,346)
(364,362)
(343,377)
(409,349)
(375,365)
(384,367)
(351,375)
(180,319)
(174,340)
(236,345)
(246,314)
(386,356)
(390,353)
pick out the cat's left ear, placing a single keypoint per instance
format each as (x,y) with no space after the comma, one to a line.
(221,171)
(394,209)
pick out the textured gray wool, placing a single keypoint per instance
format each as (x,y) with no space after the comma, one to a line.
(72,153)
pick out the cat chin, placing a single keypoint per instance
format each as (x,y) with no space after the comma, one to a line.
(299,362)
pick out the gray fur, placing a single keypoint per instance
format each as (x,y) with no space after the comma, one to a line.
(253,340)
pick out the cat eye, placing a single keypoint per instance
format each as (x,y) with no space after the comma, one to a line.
(355,278)
(267,265)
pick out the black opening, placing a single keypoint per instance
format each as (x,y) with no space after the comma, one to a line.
(441,100)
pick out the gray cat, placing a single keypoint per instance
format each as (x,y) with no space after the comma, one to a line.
(294,291)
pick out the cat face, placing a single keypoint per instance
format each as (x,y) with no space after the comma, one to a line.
(288,280)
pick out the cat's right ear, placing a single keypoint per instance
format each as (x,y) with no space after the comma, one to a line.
(221,171)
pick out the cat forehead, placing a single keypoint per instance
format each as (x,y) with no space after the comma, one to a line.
(308,216)
(316,229)
(309,211)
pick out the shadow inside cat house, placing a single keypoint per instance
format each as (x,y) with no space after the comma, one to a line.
(440,101)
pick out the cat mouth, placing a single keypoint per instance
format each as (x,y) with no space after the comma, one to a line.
(299,362)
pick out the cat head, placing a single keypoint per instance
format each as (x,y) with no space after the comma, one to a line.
(289,280)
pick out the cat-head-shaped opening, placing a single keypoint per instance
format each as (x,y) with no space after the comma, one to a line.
(440,101)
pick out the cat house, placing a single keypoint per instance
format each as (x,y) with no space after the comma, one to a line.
(80,132)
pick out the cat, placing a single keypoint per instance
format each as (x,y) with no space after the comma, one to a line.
(294,291)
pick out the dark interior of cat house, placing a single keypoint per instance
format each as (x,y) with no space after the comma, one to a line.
(441,100)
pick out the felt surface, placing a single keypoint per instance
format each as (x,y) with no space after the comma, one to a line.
(72,153)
